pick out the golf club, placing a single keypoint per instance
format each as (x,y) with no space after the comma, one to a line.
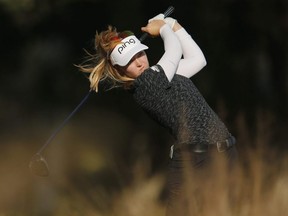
(38,165)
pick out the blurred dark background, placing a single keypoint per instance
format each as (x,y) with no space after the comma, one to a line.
(245,80)
(245,43)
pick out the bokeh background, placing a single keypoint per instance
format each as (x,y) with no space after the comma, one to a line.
(110,143)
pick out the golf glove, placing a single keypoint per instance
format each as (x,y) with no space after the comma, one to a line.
(169,20)
(158,17)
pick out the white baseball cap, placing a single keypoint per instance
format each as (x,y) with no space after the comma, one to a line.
(123,52)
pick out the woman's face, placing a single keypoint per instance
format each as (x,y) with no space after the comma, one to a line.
(137,65)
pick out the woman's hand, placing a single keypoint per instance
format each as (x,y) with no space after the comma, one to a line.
(153,27)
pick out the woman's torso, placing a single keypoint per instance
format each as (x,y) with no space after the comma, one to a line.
(179,107)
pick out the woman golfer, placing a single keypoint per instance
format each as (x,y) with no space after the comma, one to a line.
(165,92)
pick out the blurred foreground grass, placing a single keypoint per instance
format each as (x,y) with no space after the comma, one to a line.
(90,177)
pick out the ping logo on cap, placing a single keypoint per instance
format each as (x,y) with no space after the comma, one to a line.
(124,52)
(125,44)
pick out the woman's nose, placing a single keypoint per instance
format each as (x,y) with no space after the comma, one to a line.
(138,62)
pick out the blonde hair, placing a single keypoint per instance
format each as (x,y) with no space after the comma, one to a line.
(99,65)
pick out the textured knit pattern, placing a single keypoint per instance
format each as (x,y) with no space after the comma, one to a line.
(179,107)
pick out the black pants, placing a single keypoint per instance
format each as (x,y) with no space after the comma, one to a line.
(188,173)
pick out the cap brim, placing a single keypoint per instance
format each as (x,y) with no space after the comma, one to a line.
(124,52)
(129,55)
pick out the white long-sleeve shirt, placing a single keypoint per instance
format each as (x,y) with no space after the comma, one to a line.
(176,45)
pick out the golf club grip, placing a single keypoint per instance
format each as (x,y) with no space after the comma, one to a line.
(166,13)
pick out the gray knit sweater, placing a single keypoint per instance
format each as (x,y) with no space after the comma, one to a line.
(179,107)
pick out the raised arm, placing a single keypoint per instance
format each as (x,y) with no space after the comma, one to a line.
(193,58)
(173,52)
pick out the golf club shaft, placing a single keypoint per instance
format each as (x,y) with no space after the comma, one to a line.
(64,123)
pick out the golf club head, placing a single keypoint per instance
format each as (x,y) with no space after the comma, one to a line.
(38,165)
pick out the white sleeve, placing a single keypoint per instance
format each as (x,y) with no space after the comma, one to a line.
(173,52)
(193,58)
